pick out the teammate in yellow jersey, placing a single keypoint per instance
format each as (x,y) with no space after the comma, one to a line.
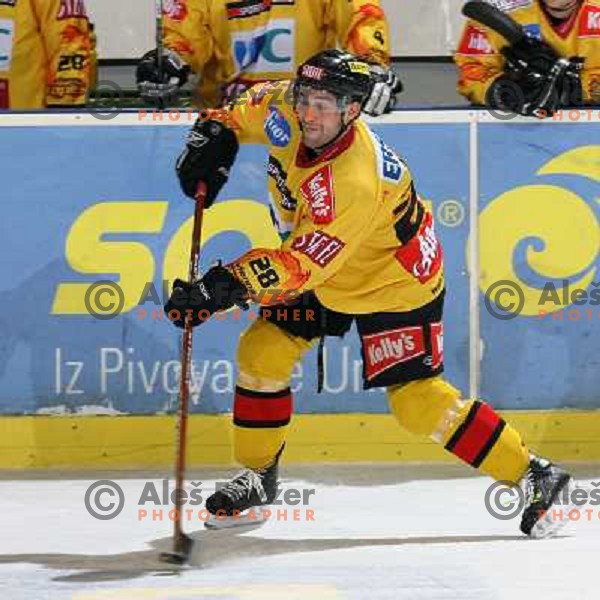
(358,244)
(47,54)
(513,77)
(234,44)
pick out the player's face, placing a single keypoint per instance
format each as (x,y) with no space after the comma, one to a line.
(561,9)
(320,116)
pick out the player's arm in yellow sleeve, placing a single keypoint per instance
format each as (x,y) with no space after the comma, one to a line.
(213,142)
(340,217)
(247,114)
(479,62)
(69,49)
(361,28)
(187,32)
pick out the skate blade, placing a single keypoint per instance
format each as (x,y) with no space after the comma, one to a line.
(250,518)
(548,526)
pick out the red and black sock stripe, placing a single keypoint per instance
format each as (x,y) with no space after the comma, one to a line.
(476,436)
(262,409)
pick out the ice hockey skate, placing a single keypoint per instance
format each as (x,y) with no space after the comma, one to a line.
(544,485)
(244,500)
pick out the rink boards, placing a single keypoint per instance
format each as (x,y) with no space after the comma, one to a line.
(89,201)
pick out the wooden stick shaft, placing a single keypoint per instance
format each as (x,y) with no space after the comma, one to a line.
(186,363)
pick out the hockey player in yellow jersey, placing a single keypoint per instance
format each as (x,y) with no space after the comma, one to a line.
(359,245)
(47,54)
(234,45)
(493,72)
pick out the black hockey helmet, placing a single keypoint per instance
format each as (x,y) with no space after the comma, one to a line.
(344,75)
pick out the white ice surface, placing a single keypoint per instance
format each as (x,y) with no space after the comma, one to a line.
(425,539)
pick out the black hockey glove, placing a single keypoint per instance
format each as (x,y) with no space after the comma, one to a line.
(161,85)
(386,87)
(536,81)
(209,153)
(217,290)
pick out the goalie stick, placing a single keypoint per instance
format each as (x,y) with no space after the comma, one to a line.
(182,543)
(495,19)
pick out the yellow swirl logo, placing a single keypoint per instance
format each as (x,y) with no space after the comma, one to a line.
(558,230)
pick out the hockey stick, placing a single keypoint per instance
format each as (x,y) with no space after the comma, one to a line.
(495,19)
(159,44)
(182,543)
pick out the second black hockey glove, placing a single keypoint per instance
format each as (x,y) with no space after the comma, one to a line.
(217,290)
(536,80)
(161,84)
(208,156)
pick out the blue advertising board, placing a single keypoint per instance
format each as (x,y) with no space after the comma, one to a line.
(539,247)
(87,204)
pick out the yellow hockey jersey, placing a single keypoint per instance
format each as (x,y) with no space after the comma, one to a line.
(47,56)
(480,62)
(353,228)
(235,44)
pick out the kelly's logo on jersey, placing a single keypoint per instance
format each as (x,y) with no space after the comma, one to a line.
(437,344)
(589,22)
(71,9)
(277,128)
(475,41)
(382,351)
(318,192)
